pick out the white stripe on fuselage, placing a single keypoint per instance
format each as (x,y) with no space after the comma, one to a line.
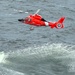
(46,23)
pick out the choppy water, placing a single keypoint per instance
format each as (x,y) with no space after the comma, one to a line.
(43,51)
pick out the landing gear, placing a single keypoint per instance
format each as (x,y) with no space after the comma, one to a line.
(31,28)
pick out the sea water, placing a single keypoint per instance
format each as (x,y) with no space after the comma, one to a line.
(42,51)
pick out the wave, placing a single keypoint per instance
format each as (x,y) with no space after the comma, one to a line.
(46,59)
(5,71)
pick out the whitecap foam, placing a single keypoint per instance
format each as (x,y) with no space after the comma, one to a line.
(2,57)
(38,53)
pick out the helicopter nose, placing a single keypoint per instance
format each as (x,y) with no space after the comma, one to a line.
(21,20)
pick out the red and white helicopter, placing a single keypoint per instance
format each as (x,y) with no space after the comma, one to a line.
(38,20)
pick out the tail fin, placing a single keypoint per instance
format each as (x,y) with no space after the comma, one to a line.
(59,24)
(61,20)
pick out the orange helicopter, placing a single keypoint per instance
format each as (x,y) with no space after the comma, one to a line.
(38,20)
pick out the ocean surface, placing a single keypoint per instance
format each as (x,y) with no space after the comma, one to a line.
(42,51)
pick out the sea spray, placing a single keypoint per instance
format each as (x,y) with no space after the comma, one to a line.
(2,57)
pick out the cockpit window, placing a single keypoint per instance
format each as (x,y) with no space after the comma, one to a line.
(27,19)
